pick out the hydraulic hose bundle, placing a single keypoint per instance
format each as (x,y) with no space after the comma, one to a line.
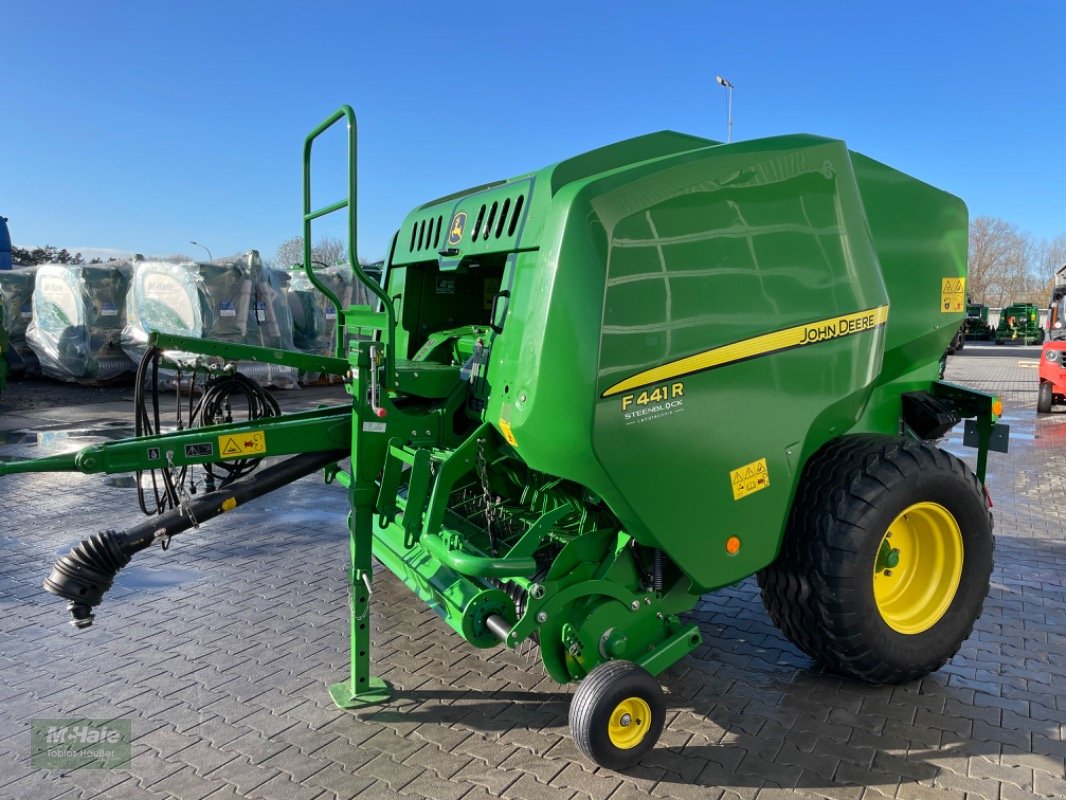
(215,405)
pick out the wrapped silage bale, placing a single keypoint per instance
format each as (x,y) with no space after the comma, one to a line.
(221,300)
(314,317)
(270,325)
(4,369)
(77,321)
(187,298)
(16,299)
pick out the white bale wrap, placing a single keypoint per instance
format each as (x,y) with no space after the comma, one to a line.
(78,313)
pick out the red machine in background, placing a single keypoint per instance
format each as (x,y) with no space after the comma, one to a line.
(1052,389)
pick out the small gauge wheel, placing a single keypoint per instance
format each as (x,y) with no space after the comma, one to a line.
(617,714)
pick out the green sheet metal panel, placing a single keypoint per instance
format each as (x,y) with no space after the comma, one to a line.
(687,322)
(644,269)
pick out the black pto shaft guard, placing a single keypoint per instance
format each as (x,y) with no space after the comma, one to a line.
(83,576)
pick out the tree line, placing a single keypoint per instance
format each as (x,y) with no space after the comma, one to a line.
(328,251)
(1007,265)
(49,255)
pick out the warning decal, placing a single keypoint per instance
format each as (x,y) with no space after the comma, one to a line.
(749,479)
(952,295)
(242,444)
(505,429)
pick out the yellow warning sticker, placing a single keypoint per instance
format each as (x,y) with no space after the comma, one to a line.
(242,444)
(749,479)
(505,429)
(952,295)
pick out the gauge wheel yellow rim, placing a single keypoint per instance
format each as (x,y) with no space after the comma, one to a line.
(629,724)
(917,568)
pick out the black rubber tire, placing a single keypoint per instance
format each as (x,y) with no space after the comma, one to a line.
(819,591)
(598,694)
(1044,398)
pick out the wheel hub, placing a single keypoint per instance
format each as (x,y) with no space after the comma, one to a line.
(629,723)
(917,568)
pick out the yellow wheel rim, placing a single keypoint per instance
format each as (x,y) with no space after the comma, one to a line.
(629,724)
(917,568)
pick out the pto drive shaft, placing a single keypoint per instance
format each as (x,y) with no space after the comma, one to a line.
(84,575)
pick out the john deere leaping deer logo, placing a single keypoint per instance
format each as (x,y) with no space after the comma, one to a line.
(455,230)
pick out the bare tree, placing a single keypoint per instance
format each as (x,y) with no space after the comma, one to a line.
(328,251)
(289,252)
(1000,263)
(1049,259)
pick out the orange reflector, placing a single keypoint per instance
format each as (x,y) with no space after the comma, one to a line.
(997,407)
(732,545)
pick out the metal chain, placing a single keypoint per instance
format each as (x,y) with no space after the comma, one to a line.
(183,497)
(483,476)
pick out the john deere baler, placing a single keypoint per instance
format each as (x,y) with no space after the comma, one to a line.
(600,390)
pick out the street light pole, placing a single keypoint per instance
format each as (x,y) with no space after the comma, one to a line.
(209,256)
(724,82)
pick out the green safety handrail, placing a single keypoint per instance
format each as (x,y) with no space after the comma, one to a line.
(344,112)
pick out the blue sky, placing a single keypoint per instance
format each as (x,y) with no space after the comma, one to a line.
(140,126)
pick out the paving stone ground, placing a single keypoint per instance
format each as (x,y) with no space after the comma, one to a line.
(219,652)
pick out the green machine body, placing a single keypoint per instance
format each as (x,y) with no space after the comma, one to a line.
(583,397)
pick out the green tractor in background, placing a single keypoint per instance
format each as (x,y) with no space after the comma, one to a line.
(977,327)
(597,391)
(1019,323)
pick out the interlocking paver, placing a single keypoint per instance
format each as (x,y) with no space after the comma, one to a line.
(394,774)
(223,672)
(529,788)
(440,762)
(166,740)
(539,767)
(598,785)
(428,786)
(256,747)
(243,774)
(1047,785)
(186,784)
(281,787)
(479,774)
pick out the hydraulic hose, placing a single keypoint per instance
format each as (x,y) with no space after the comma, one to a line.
(83,576)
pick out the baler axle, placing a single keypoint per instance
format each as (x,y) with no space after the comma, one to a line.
(499,626)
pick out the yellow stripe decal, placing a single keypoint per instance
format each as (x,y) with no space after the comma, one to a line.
(799,336)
